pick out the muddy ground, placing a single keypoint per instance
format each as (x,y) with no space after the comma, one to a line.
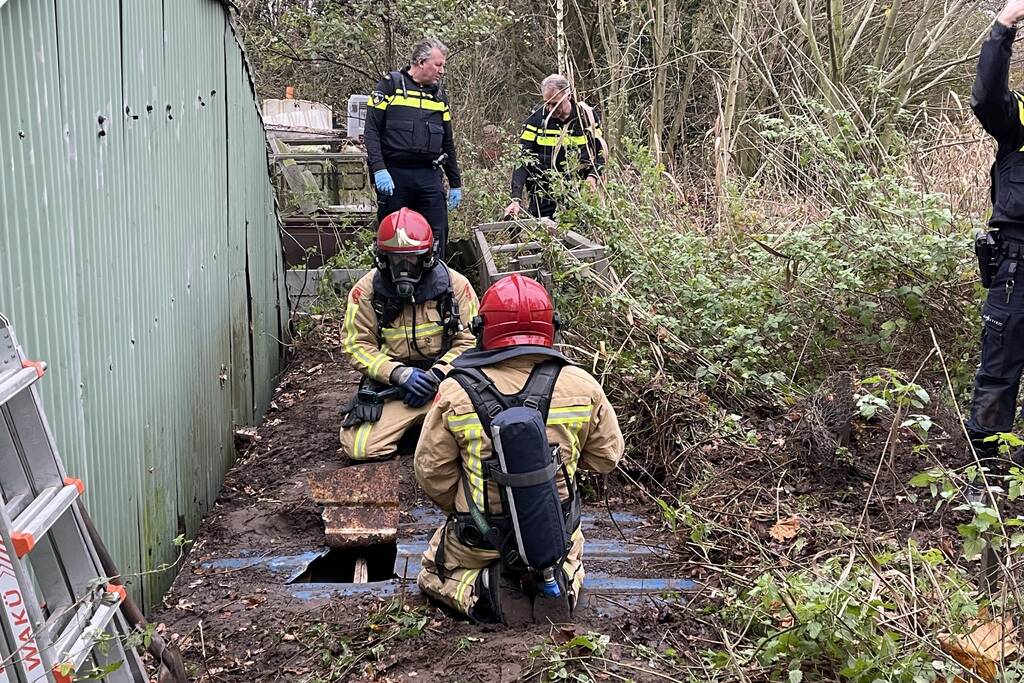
(241,623)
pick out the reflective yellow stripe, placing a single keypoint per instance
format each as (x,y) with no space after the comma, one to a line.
(381,360)
(383,104)
(416,93)
(353,348)
(535,129)
(359,443)
(569,418)
(447,116)
(470,424)
(573,140)
(529,136)
(449,357)
(417,103)
(578,412)
(424,330)
(467,580)
(573,430)
(556,416)
(475,466)
(572,418)
(460,423)
(1020,113)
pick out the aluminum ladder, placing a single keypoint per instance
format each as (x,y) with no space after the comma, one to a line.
(59,613)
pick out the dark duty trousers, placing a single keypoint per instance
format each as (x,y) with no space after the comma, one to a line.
(541,204)
(1002,356)
(421,190)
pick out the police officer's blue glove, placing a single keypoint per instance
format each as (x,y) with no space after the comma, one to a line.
(454,197)
(382,179)
(420,387)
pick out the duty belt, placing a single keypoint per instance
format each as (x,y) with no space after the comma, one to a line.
(1011,248)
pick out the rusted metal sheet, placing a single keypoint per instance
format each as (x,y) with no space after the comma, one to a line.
(311,243)
(359,526)
(360,503)
(367,483)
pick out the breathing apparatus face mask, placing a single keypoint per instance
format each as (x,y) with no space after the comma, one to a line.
(406,271)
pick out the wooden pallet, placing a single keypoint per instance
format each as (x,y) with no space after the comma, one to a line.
(504,241)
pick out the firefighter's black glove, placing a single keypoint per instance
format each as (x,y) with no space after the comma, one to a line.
(360,412)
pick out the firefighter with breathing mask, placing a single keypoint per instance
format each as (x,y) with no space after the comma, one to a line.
(405,322)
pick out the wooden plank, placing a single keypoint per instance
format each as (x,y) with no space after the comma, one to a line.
(303,285)
(577,239)
(361,573)
(488,270)
(516,246)
(529,261)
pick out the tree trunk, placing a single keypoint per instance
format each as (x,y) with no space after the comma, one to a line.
(732,86)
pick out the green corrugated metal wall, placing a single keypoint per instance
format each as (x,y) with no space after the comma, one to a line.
(139,253)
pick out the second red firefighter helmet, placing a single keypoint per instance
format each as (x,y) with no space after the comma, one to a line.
(516,310)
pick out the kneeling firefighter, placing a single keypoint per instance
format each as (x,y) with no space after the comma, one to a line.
(406,321)
(499,452)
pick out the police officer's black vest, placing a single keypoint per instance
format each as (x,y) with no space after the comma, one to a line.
(553,138)
(1008,182)
(414,119)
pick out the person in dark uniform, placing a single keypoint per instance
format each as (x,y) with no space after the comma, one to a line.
(1001,250)
(556,128)
(408,136)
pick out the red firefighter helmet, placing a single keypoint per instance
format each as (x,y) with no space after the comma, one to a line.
(405,246)
(516,310)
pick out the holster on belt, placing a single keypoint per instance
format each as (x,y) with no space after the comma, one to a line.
(988,251)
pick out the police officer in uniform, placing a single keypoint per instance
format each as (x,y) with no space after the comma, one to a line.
(455,456)
(558,127)
(1001,252)
(408,136)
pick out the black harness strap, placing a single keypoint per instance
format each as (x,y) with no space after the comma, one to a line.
(389,307)
(526,478)
(488,402)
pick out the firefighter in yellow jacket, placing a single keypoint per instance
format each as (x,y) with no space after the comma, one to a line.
(499,452)
(406,321)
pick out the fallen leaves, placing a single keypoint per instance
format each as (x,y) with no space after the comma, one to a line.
(563,634)
(981,650)
(785,529)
